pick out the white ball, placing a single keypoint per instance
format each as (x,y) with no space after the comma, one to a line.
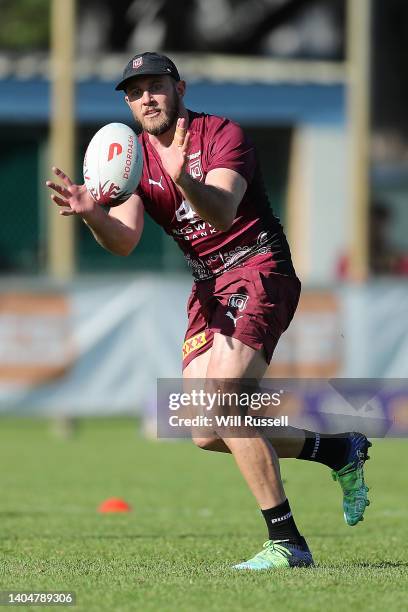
(113,164)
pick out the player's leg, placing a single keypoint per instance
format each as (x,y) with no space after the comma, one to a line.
(255,456)
(344,453)
(231,360)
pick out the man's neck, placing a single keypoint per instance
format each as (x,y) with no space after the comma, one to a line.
(165,139)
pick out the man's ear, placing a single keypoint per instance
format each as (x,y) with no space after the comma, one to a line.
(127,100)
(181,88)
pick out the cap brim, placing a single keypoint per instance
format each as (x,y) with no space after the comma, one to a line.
(121,86)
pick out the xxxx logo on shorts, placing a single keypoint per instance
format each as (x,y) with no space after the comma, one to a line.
(194,343)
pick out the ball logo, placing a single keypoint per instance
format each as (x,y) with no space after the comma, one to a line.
(114,149)
(129,157)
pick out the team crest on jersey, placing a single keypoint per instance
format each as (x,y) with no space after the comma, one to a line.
(238,300)
(137,62)
(195,169)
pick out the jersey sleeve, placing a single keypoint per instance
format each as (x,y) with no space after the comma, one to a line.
(230,148)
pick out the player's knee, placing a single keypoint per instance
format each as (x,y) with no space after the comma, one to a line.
(204,443)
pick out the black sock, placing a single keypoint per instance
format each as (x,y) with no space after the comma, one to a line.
(329,449)
(281,525)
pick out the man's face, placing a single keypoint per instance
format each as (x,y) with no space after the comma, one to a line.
(155,102)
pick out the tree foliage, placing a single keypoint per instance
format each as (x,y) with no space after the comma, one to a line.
(24,24)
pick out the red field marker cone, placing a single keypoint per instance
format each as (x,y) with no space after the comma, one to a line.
(114,504)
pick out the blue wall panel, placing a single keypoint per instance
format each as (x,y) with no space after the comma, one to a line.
(251,104)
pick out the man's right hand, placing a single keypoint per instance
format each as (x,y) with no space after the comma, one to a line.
(72,199)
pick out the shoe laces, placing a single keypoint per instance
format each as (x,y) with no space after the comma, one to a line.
(273,547)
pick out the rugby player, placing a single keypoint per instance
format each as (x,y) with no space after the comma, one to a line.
(202,183)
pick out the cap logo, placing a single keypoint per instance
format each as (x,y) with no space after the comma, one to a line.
(137,62)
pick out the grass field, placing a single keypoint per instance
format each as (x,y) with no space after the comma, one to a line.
(192,518)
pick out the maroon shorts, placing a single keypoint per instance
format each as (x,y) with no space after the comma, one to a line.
(251,303)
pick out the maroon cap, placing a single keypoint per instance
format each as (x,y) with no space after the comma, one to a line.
(145,64)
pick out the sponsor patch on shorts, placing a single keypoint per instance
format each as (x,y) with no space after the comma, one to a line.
(194,343)
(238,300)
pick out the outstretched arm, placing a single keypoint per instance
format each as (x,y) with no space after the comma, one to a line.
(118,231)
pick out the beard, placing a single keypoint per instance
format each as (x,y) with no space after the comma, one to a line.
(165,121)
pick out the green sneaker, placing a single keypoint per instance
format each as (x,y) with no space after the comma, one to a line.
(351,479)
(277,554)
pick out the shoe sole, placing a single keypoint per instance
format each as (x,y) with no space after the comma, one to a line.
(367,445)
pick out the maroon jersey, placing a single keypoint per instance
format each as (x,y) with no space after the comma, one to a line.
(215,142)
